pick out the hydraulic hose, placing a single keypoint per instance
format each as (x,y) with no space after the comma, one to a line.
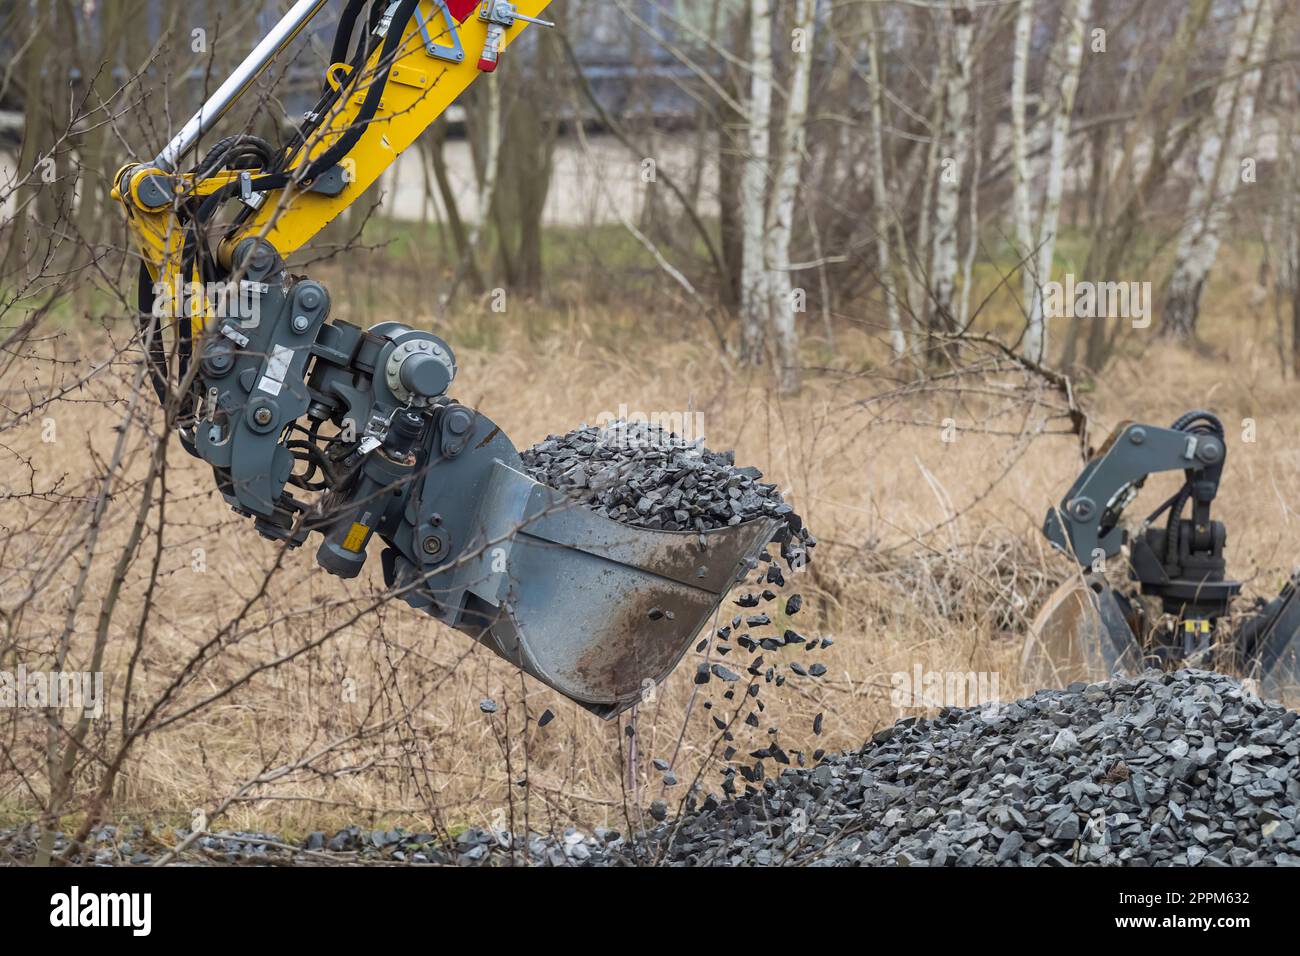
(343,36)
(335,154)
(1195,422)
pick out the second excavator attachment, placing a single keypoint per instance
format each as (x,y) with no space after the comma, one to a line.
(1158,597)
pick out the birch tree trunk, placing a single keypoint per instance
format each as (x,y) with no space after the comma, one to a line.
(919,275)
(780,287)
(731,147)
(1217,170)
(1139,171)
(1288,272)
(952,168)
(754,298)
(879,194)
(1074,15)
(1020,157)
(973,217)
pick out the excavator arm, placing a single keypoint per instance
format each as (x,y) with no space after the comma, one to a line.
(314,426)
(1095,626)
(396,72)
(430,68)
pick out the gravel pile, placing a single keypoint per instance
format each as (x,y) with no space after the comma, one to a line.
(1184,769)
(134,845)
(1181,769)
(640,474)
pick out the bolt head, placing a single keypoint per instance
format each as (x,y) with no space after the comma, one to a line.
(1137,436)
(262,416)
(219,358)
(261,259)
(459,422)
(432,544)
(1082,508)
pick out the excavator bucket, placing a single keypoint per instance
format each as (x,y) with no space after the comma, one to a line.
(1082,633)
(599,610)
(1269,644)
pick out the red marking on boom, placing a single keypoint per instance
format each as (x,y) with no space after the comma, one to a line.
(461,9)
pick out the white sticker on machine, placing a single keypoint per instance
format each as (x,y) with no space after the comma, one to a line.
(276,369)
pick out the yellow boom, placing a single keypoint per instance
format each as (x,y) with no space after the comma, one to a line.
(436,59)
(420,88)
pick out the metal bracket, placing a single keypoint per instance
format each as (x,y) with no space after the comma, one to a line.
(504,13)
(453,52)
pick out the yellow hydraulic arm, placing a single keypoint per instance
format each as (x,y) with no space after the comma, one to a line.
(420,88)
(378,111)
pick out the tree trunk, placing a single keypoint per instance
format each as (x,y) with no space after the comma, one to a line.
(918,287)
(1288,270)
(780,287)
(972,216)
(436,157)
(1074,15)
(731,151)
(1020,167)
(754,299)
(1217,171)
(1113,241)
(879,193)
(956,145)
(36,142)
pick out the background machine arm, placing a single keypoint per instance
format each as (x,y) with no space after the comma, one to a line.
(1091,627)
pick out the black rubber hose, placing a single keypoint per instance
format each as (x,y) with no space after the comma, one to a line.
(225,150)
(343,35)
(330,96)
(332,156)
(1195,422)
(1165,505)
(1211,420)
(1173,528)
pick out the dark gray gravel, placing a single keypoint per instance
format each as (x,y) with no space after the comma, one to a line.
(137,846)
(1165,769)
(639,474)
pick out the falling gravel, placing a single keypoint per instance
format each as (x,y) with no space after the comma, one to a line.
(640,474)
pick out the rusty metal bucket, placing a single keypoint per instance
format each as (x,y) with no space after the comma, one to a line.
(598,610)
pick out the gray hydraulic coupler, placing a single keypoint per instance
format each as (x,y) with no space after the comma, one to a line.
(382,485)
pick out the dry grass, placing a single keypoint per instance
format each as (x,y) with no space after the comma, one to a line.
(930,556)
